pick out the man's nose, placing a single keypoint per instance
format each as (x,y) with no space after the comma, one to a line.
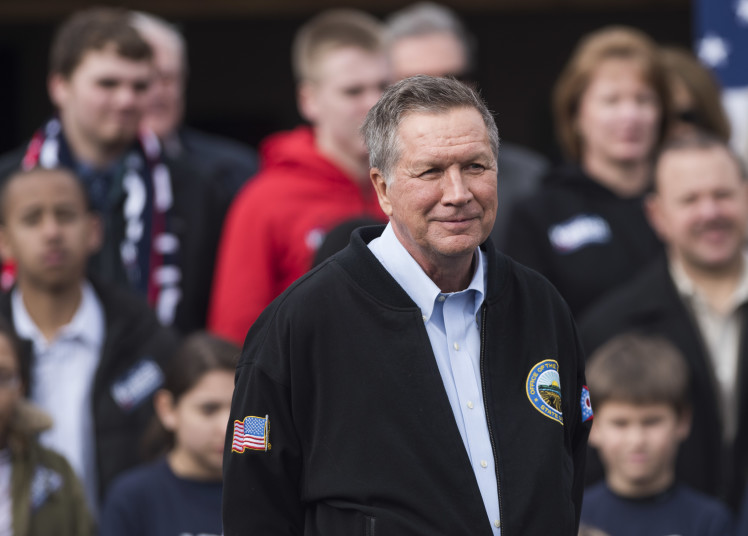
(455,190)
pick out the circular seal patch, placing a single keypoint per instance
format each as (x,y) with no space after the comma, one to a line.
(544,389)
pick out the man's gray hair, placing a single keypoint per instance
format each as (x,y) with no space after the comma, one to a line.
(426,18)
(147,25)
(417,94)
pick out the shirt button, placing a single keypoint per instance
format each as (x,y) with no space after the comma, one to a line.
(441,298)
(456,346)
(424,317)
(497,523)
(470,404)
(484,464)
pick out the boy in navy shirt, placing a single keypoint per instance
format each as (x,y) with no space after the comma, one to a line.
(639,387)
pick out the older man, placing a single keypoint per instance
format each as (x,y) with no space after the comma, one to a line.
(418,382)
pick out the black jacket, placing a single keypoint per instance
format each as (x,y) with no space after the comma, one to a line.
(650,304)
(133,337)
(584,238)
(362,435)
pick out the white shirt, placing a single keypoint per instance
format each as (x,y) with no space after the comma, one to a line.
(452,324)
(62,381)
(720,331)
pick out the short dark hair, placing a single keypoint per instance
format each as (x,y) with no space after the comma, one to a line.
(639,369)
(695,141)
(95,29)
(417,94)
(22,173)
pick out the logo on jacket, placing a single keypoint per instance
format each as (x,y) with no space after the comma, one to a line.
(544,389)
(44,483)
(579,231)
(137,384)
(251,433)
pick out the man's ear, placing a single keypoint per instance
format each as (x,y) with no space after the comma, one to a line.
(653,210)
(163,404)
(96,232)
(382,189)
(306,100)
(6,251)
(57,87)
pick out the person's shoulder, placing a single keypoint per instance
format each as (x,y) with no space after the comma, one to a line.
(139,481)
(700,504)
(596,494)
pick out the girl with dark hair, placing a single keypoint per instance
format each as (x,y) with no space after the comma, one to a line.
(180,493)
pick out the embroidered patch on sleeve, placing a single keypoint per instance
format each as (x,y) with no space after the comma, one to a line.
(544,389)
(587,412)
(251,433)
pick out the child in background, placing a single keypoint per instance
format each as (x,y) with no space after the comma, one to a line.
(39,493)
(639,387)
(180,494)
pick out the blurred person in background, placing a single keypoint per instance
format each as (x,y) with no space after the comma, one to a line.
(313,177)
(161,219)
(180,493)
(695,296)
(585,230)
(428,38)
(39,492)
(227,163)
(696,95)
(95,350)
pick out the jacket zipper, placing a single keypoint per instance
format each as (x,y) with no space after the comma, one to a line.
(484,310)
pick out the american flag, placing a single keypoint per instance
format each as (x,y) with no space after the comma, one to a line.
(251,433)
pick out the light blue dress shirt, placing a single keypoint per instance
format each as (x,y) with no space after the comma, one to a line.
(452,322)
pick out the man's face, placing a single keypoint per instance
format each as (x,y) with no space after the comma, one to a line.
(638,444)
(48,231)
(433,54)
(348,82)
(701,208)
(165,102)
(102,102)
(442,198)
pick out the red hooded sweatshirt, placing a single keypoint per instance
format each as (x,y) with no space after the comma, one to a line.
(275,225)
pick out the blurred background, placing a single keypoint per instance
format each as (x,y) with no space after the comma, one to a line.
(239,53)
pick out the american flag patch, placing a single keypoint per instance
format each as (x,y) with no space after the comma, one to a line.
(251,433)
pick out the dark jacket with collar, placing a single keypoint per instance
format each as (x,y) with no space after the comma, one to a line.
(135,350)
(362,436)
(650,304)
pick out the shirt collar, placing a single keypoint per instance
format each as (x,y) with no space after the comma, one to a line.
(688,290)
(87,324)
(411,277)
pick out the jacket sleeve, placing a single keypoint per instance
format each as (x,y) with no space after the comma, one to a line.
(244,281)
(262,488)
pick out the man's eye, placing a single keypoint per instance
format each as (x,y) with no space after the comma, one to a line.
(353,91)
(107,83)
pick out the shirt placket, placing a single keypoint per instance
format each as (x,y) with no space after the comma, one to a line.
(473,411)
